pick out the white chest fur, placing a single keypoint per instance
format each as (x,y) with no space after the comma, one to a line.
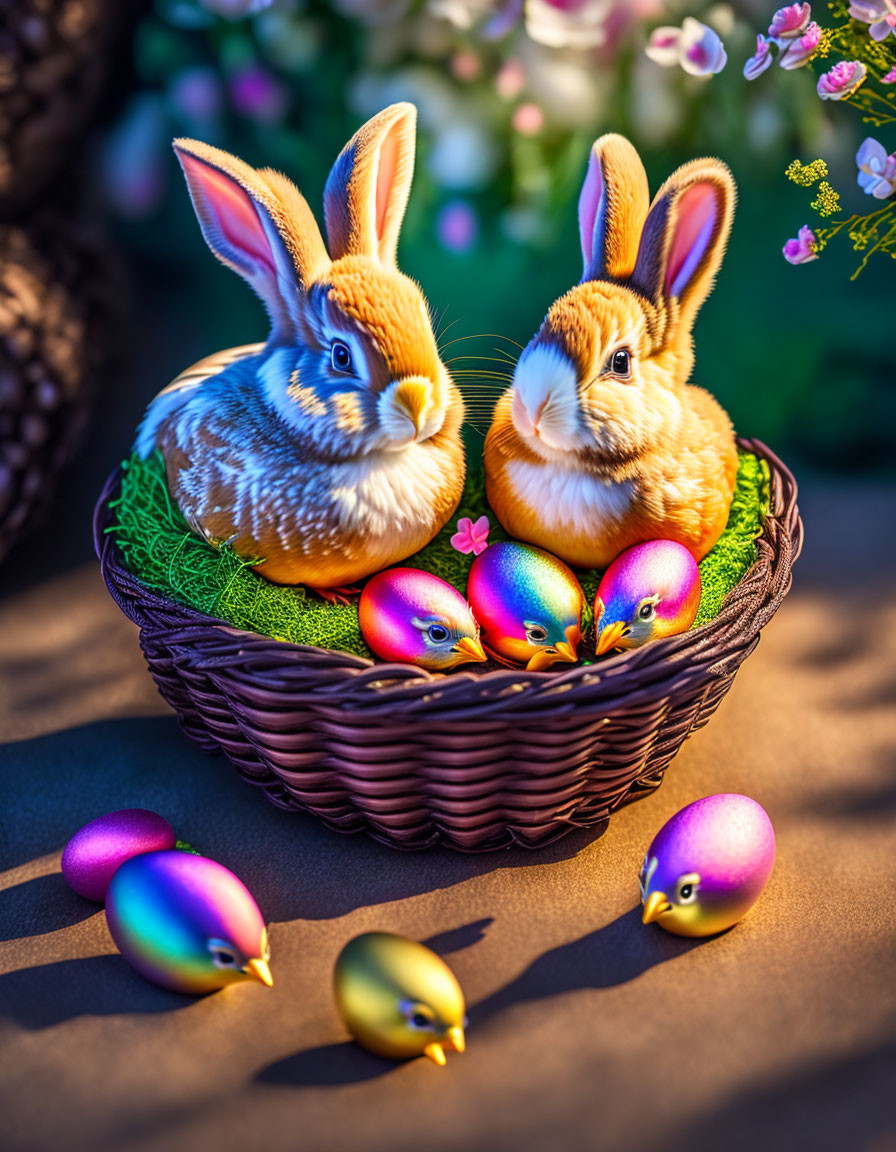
(389,493)
(569,499)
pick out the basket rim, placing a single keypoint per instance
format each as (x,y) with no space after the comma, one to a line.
(283,674)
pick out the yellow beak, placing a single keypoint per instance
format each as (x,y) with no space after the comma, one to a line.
(436,1053)
(540,660)
(610,637)
(566,652)
(654,906)
(470,649)
(413,397)
(259,970)
(456,1036)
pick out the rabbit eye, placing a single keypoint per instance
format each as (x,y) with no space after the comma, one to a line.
(621,363)
(340,356)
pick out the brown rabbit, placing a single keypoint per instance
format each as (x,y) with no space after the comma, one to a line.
(334,449)
(601,442)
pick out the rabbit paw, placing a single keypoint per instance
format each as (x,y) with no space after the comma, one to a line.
(336,595)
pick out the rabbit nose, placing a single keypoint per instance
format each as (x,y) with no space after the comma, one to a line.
(544,392)
(525,417)
(406,406)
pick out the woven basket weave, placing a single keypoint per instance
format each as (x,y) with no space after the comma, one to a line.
(476,762)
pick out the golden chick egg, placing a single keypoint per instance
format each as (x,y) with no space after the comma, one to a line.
(398,998)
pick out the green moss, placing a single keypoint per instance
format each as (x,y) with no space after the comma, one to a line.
(159,548)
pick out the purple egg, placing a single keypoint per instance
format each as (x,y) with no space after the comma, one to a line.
(93,856)
(411,616)
(708,865)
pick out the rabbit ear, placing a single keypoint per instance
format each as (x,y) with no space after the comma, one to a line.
(258,224)
(612,209)
(685,236)
(368,187)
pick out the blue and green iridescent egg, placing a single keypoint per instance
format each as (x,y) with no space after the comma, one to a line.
(187,923)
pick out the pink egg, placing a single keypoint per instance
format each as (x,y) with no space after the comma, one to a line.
(414,617)
(93,856)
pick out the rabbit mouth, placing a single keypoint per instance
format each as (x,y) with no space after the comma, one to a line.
(408,411)
(544,406)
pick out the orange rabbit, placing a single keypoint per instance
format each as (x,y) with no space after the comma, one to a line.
(601,442)
(334,449)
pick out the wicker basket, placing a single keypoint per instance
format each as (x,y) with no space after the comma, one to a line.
(476,762)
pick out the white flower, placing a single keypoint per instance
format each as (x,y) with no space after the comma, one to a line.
(877,170)
(662,47)
(560,26)
(695,46)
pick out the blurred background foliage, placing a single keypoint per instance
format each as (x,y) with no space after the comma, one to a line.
(510,97)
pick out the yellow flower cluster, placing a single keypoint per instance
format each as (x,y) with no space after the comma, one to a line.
(827,200)
(806,174)
(825,44)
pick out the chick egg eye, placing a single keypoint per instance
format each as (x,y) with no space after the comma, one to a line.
(417,1015)
(223,959)
(340,356)
(620,363)
(438,633)
(687,889)
(646,611)
(536,633)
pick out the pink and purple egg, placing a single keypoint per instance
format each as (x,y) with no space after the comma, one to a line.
(187,923)
(413,617)
(708,865)
(96,852)
(650,591)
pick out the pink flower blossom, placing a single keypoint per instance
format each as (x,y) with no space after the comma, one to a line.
(890,77)
(662,48)
(879,14)
(471,537)
(790,22)
(760,60)
(800,250)
(695,46)
(842,80)
(528,119)
(877,170)
(800,52)
(511,79)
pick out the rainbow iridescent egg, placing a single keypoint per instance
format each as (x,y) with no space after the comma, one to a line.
(413,617)
(708,865)
(528,604)
(187,923)
(649,591)
(95,853)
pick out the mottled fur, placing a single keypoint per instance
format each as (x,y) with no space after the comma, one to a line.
(325,476)
(580,460)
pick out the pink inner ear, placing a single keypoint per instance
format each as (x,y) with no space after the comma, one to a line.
(230,212)
(385,177)
(589,202)
(697,212)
